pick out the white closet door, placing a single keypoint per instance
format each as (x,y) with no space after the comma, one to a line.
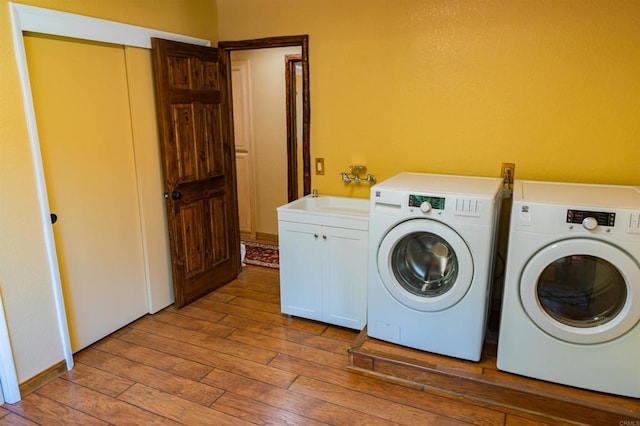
(243,143)
(81,102)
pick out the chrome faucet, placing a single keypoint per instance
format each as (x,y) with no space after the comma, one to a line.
(355,175)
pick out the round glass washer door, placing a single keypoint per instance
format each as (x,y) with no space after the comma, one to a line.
(425,265)
(582,291)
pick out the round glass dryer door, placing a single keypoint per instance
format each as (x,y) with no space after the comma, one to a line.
(582,291)
(425,265)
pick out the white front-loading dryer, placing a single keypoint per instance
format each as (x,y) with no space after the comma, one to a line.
(432,240)
(571,300)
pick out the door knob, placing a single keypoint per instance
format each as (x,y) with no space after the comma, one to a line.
(176,195)
(54,218)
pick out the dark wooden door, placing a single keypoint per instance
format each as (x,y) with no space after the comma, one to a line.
(199,167)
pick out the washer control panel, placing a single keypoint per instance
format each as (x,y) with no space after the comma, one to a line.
(591,218)
(634,223)
(426,202)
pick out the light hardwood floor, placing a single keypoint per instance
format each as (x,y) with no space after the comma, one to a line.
(233,358)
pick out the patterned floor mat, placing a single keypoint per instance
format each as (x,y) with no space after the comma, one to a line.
(262,254)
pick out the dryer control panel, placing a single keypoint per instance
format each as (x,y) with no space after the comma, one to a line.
(603,218)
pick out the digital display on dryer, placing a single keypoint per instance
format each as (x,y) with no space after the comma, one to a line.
(603,218)
(436,202)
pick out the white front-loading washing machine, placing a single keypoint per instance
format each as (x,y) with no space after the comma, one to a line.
(571,301)
(432,239)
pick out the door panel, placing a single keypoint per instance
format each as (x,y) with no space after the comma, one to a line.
(186,155)
(150,182)
(192,235)
(212,161)
(198,161)
(219,235)
(243,144)
(81,100)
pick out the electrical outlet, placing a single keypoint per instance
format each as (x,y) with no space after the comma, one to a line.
(508,172)
(319,166)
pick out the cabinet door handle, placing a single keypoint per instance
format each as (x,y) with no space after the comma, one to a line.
(324,237)
(315,235)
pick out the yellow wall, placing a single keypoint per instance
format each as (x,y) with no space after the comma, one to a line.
(460,86)
(24,277)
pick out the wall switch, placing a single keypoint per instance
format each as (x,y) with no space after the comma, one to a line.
(508,172)
(319,166)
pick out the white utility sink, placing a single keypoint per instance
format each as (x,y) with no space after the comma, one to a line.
(331,204)
(328,210)
(324,246)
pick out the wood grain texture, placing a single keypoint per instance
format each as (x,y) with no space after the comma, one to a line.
(162,361)
(37,409)
(229,359)
(38,380)
(98,405)
(526,398)
(194,119)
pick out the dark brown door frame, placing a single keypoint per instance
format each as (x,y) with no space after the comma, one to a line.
(227,47)
(291,62)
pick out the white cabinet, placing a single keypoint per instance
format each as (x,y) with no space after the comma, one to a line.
(300,269)
(344,273)
(323,264)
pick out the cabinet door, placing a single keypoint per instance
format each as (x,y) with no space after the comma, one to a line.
(344,277)
(300,271)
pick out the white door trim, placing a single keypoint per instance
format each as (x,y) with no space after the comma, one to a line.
(47,21)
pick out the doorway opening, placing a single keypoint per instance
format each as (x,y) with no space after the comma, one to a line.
(296,130)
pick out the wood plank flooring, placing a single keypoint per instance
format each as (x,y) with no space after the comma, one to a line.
(233,358)
(483,381)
